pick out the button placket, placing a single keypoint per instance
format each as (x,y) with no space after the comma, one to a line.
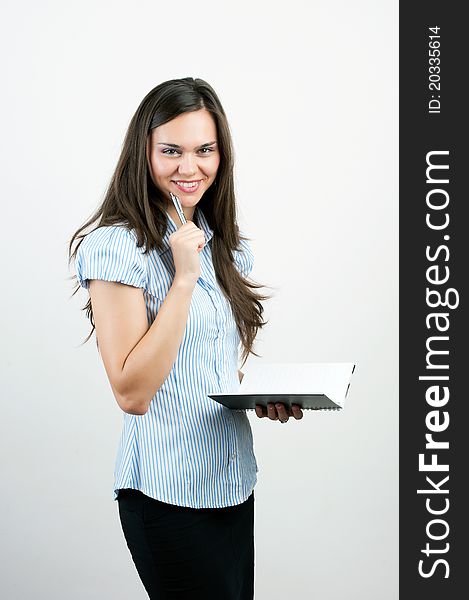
(233,445)
(220,359)
(219,338)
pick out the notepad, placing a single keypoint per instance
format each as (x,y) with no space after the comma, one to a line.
(313,386)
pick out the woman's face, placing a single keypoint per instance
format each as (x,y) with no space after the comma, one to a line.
(184,150)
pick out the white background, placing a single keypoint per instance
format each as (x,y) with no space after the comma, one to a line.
(310,91)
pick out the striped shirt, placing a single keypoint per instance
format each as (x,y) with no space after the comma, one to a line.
(186,449)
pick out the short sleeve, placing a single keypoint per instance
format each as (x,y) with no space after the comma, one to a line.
(244,257)
(110,253)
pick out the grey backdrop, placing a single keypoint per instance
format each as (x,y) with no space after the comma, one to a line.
(310,90)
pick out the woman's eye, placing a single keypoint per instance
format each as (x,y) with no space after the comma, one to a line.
(168,150)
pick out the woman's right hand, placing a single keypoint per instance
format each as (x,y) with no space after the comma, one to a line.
(186,243)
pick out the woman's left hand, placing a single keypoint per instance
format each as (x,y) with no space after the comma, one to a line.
(278,412)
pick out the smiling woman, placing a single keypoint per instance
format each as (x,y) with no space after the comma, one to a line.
(171,304)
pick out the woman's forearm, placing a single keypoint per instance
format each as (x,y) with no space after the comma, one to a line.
(151,360)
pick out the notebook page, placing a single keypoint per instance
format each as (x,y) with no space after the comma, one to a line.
(331,379)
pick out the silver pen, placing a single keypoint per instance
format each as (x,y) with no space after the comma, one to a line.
(177,206)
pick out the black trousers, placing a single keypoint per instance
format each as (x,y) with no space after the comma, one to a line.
(186,553)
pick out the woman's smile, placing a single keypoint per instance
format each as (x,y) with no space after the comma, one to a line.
(187,188)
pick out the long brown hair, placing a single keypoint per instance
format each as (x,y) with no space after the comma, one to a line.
(132,199)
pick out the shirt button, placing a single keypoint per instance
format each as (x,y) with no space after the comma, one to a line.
(233,456)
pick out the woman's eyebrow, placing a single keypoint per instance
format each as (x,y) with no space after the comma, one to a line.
(176,145)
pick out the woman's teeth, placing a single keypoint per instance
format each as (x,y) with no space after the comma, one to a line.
(187,185)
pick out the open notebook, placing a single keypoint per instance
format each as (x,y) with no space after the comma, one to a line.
(313,386)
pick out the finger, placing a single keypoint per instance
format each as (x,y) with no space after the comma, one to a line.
(282,412)
(297,412)
(192,234)
(271,412)
(196,236)
(260,411)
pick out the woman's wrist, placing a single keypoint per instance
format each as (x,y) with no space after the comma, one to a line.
(186,283)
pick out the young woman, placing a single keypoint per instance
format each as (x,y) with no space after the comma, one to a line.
(170,304)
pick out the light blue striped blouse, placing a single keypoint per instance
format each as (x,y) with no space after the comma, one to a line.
(186,449)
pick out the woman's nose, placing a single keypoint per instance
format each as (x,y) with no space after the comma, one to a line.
(188,164)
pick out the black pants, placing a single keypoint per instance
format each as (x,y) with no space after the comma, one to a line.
(186,553)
